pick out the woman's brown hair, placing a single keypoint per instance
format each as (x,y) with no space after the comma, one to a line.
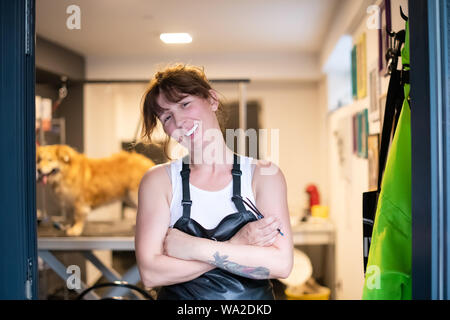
(175,82)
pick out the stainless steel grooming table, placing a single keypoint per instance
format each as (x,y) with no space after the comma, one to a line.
(51,240)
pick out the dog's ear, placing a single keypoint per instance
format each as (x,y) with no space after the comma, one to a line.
(65,153)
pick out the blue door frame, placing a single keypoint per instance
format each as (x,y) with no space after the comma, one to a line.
(430,133)
(18,261)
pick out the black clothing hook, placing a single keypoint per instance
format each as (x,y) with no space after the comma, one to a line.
(404,17)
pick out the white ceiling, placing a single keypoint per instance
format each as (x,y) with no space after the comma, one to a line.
(131,28)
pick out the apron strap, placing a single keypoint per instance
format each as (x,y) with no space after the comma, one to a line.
(394,102)
(237,173)
(186,201)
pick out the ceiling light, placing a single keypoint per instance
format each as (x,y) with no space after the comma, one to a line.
(175,37)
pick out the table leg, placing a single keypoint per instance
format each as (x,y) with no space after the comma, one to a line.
(61,271)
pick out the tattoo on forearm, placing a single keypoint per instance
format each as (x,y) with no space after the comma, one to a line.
(248,272)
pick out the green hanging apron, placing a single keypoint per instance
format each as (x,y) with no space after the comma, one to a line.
(388,274)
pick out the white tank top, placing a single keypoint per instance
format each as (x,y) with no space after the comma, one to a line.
(208,207)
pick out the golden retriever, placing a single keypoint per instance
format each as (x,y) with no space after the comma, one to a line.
(88,183)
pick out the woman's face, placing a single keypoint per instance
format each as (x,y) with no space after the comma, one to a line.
(189,118)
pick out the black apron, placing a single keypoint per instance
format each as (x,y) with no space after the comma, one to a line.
(217,284)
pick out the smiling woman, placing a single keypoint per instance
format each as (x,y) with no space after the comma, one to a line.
(194,235)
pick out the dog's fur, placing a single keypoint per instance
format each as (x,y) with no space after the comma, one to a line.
(88,183)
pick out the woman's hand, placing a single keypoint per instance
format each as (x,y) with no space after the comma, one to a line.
(261,233)
(178,244)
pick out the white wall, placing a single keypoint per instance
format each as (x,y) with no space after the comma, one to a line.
(111,115)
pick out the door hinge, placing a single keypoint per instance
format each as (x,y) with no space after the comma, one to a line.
(28,24)
(29,281)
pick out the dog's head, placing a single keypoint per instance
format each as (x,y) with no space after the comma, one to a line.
(51,161)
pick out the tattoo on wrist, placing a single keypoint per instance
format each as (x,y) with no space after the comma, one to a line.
(245,271)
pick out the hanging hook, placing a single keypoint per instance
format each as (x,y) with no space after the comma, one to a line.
(390,33)
(404,17)
(62,93)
